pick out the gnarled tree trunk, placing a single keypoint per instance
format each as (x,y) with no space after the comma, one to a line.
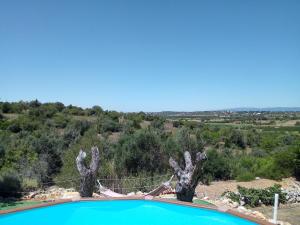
(189,177)
(87,175)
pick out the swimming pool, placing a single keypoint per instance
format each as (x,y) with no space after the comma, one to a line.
(120,212)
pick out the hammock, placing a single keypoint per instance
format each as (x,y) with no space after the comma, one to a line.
(155,192)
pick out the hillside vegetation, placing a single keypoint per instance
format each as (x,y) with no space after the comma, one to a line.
(39,144)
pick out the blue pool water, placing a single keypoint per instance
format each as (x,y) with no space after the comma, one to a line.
(120,212)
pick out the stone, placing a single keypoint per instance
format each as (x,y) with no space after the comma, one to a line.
(226,201)
(131,194)
(139,193)
(235,205)
(241,209)
(259,215)
(71,195)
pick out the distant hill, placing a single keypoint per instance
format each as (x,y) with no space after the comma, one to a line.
(269,109)
(240,109)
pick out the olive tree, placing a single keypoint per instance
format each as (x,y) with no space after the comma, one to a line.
(188,177)
(87,174)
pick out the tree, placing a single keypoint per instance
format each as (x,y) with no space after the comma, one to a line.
(218,167)
(297,164)
(6,108)
(106,124)
(10,185)
(96,110)
(189,177)
(140,152)
(87,174)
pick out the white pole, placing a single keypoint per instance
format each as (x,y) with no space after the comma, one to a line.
(275,209)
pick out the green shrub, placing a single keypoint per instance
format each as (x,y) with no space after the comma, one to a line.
(217,167)
(10,185)
(247,176)
(297,164)
(61,120)
(29,184)
(106,124)
(255,197)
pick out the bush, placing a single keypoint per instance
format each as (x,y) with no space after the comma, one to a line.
(29,184)
(61,120)
(176,123)
(217,167)
(106,124)
(10,185)
(247,176)
(297,164)
(140,152)
(255,197)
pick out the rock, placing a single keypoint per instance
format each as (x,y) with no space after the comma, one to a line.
(148,197)
(292,193)
(241,209)
(139,193)
(70,190)
(235,205)
(226,201)
(95,195)
(71,195)
(258,215)
(131,194)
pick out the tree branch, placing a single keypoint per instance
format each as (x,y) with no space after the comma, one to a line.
(201,156)
(188,162)
(80,163)
(94,165)
(178,171)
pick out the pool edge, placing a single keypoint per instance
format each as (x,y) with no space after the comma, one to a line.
(56,202)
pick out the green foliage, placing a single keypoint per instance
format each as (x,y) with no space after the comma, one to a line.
(297,164)
(61,120)
(29,184)
(139,152)
(94,111)
(217,167)
(69,176)
(177,123)
(10,185)
(255,197)
(73,110)
(247,176)
(107,124)
(158,123)
(236,137)
(41,141)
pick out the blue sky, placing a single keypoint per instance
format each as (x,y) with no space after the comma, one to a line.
(151,55)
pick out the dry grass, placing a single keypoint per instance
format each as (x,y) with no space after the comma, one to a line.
(144,124)
(11,116)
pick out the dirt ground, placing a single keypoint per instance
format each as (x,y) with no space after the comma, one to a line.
(216,189)
(289,214)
